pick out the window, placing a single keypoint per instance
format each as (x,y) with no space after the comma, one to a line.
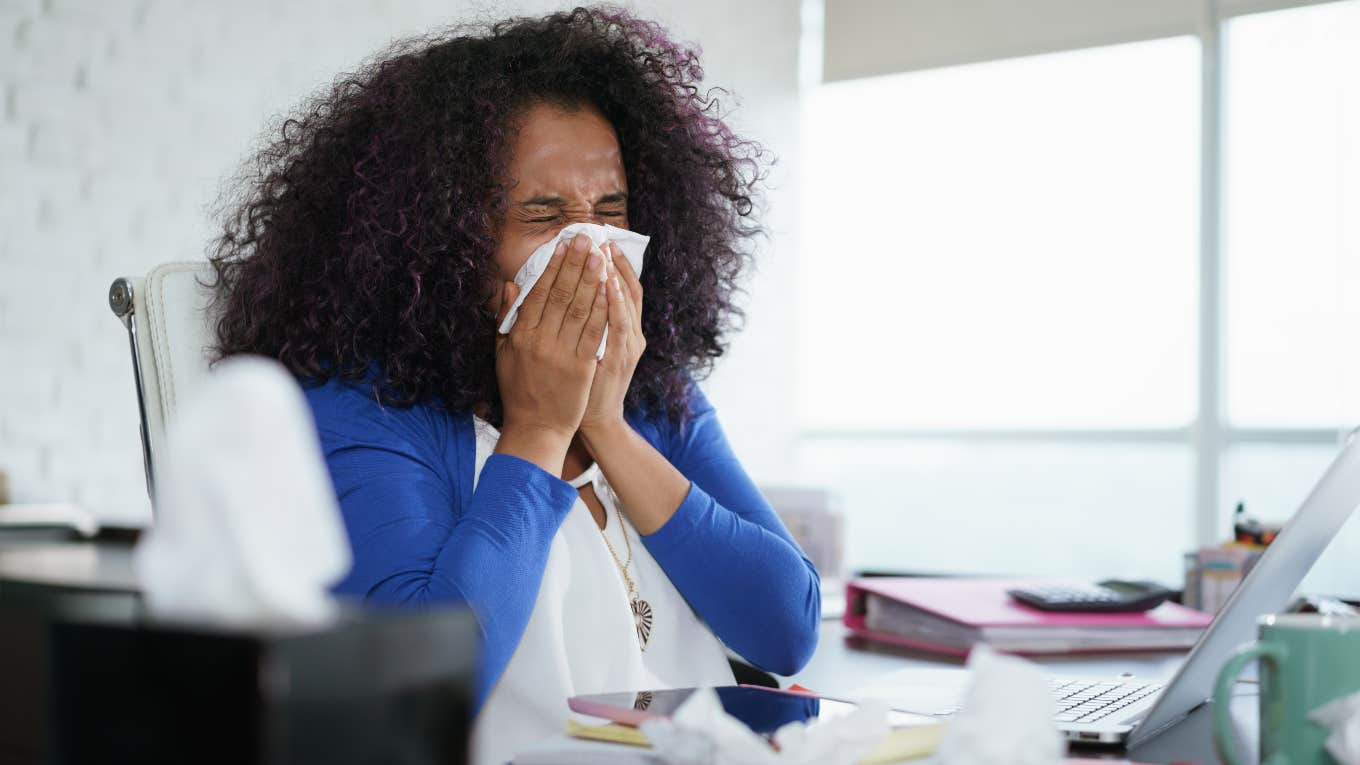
(1291,236)
(1292,217)
(1000,357)
(940,504)
(1008,244)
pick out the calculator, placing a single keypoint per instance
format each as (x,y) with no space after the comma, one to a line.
(1107,597)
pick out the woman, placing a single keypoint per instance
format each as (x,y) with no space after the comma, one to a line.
(589,512)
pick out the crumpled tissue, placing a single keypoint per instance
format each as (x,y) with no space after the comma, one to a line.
(1006,717)
(632,244)
(1342,716)
(247,529)
(702,733)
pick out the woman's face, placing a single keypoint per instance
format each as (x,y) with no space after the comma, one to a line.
(565,167)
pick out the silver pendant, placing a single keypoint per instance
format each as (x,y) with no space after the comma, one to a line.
(642,618)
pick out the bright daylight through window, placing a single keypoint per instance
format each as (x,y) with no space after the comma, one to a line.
(1001,268)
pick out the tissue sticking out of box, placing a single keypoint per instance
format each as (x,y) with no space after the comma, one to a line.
(1341,717)
(1006,717)
(247,529)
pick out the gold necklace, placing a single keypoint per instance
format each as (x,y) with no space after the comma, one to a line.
(642,610)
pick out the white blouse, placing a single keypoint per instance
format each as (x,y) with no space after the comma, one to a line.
(581,637)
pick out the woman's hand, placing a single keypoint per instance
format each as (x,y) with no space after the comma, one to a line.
(625,345)
(647,484)
(546,364)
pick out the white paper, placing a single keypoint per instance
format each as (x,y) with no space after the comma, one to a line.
(702,733)
(931,691)
(1006,718)
(1342,717)
(632,244)
(247,528)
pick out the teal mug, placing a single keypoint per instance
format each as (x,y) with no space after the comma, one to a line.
(1306,660)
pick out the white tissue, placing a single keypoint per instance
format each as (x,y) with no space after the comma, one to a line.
(702,733)
(1006,717)
(247,529)
(632,244)
(1342,716)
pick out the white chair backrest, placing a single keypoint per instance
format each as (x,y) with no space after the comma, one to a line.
(171,336)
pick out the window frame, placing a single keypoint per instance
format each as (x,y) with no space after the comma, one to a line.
(1211,434)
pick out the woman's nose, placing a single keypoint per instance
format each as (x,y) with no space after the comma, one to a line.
(584,216)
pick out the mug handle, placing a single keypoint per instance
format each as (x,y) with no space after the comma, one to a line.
(1223,727)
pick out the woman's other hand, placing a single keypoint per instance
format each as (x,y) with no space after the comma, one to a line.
(546,364)
(614,373)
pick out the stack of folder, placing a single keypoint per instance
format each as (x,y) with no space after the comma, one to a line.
(952,615)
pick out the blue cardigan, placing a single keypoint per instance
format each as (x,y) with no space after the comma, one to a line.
(421,535)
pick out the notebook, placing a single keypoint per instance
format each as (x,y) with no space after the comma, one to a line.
(952,615)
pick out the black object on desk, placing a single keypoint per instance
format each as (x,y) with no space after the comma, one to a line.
(86,677)
(1112,596)
(376,687)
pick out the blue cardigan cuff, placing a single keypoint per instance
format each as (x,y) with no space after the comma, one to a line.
(692,513)
(510,491)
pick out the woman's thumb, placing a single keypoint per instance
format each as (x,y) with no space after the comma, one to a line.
(508,295)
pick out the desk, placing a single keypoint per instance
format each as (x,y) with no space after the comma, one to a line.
(104,571)
(92,567)
(842,663)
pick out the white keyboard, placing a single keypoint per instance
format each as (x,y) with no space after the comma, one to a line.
(1084,701)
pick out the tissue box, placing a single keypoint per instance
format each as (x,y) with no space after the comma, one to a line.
(375,687)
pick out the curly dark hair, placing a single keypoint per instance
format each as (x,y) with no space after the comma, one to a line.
(359,241)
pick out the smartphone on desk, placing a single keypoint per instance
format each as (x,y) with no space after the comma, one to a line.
(763,710)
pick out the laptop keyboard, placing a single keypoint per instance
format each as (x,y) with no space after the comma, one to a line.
(1084,701)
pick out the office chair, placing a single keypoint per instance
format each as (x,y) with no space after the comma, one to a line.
(169,333)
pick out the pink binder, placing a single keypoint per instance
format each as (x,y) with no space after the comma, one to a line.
(981,608)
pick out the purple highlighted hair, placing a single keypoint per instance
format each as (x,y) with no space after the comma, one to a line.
(359,245)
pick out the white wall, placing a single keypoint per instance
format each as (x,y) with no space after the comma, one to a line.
(121,119)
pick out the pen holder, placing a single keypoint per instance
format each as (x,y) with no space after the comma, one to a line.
(374,687)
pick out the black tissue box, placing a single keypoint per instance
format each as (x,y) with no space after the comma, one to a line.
(375,687)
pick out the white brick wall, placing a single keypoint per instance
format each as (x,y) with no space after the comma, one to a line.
(120,118)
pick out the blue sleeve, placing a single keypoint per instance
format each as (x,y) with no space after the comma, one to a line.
(414,545)
(729,555)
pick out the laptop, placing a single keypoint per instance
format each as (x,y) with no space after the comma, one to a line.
(1120,711)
